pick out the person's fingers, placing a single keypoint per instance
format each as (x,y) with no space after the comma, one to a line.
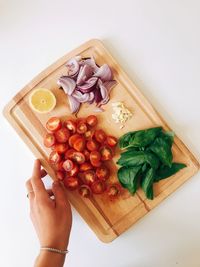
(43,173)
(37,184)
(30,192)
(59,194)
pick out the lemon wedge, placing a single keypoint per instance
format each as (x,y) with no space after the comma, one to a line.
(42,100)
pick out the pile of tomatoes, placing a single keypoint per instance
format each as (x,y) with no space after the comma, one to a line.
(79,155)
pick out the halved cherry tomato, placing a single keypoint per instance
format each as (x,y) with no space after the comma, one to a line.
(95,156)
(102,172)
(81,128)
(98,187)
(92,145)
(73,138)
(78,157)
(53,124)
(79,144)
(61,148)
(70,125)
(60,175)
(88,177)
(49,140)
(85,191)
(86,154)
(71,182)
(69,153)
(89,134)
(74,171)
(113,191)
(111,140)
(68,165)
(100,136)
(62,135)
(54,157)
(86,166)
(96,163)
(106,153)
(80,120)
(92,120)
(59,166)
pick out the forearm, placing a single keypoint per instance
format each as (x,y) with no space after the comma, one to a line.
(49,259)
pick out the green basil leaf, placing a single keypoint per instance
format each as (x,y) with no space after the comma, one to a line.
(162,149)
(140,138)
(165,171)
(137,158)
(147,183)
(128,178)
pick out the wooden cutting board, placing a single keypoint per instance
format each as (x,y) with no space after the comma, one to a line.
(107,219)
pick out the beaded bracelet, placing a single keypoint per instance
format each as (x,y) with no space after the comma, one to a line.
(55,250)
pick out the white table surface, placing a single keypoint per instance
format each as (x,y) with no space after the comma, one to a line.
(157,43)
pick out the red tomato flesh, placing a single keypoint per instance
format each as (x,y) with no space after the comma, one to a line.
(79,144)
(78,157)
(49,140)
(111,141)
(102,172)
(68,165)
(60,175)
(62,135)
(61,148)
(81,128)
(54,157)
(100,136)
(71,182)
(89,177)
(106,153)
(53,124)
(70,125)
(85,191)
(92,120)
(98,187)
(86,166)
(92,145)
(73,138)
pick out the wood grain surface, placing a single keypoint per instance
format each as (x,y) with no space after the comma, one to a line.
(107,219)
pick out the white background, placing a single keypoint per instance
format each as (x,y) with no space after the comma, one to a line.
(157,42)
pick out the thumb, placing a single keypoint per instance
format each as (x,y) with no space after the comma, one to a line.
(59,193)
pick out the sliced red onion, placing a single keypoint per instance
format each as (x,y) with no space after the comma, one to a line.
(109,85)
(72,67)
(68,84)
(89,85)
(104,73)
(90,62)
(91,96)
(97,95)
(85,73)
(74,104)
(82,98)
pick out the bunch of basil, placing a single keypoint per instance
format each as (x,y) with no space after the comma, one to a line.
(148,159)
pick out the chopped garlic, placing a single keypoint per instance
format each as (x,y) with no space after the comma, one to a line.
(121,113)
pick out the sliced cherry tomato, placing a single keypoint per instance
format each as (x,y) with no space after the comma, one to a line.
(95,156)
(88,177)
(53,124)
(87,154)
(62,135)
(78,157)
(59,166)
(102,172)
(79,144)
(71,182)
(69,153)
(61,148)
(113,191)
(100,136)
(73,138)
(92,145)
(54,157)
(60,175)
(68,165)
(80,120)
(74,171)
(96,163)
(111,141)
(98,187)
(70,125)
(85,191)
(106,153)
(89,134)
(49,140)
(92,120)
(81,128)
(86,166)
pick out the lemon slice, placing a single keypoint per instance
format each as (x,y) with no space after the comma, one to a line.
(42,100)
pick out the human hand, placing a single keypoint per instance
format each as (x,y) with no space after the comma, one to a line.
(52,218)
